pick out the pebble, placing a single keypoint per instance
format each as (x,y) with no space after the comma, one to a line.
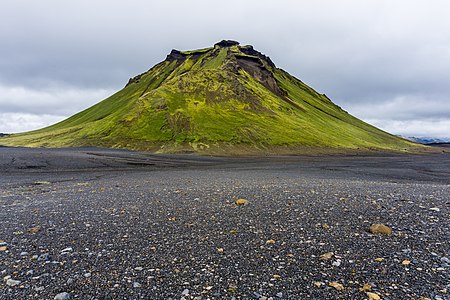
(68,249)
(380,228)
(445,260)
(337,263)
(435,209)
(136,284)
(12,282)
(87,275)
(185,292)
(62,296)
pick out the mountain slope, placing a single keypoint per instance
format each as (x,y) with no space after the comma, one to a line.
(224,99)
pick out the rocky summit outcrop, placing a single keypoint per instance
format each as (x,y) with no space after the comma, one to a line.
(226,99)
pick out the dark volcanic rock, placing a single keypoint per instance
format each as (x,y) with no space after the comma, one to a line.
(226,43)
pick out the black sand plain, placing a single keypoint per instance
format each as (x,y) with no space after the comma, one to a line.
(93,223)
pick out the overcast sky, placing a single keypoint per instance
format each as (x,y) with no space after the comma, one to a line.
(386,62)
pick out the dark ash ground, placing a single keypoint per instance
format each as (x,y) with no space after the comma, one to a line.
(110,224)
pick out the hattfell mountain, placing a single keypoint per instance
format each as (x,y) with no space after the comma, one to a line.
(226,99)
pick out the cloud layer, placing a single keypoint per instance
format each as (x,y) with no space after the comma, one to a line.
(384,61)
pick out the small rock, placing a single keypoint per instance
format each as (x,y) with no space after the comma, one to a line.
(62,296)
(241,202)
(318,284)
(139,268)
(136,284)
(445,260)
(326,256)
(68,249)
(12,282)
(3,248)
(279,295)
(373,296)
(219,249)
(270,242)
(23,253)
(435,209)
(185,292)
(380,228)
(87,275)
(406,262)
(337,262)
(366,287)
(336,285)
(34,229)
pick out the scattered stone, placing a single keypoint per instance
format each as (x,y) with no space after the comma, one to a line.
(435,209)
(87,275)
(318,284)
(380,228)
(326,256)
(185,292)
(220,250)
(379,259)
(34,229)
(445,260)
(270,242)
(241,202)
(139,269)
(406,262)
(336,285)
(373,296)
(136,284)
(326,226)
(12,282)
(276,276)
(366,287)
(68,249)
(279,295)
(3,248)
(2,243)
(62,296)
(23,253)
(337,263)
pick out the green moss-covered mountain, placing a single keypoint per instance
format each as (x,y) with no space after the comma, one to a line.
(227,99)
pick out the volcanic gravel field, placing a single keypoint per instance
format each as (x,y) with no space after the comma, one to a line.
(111,224)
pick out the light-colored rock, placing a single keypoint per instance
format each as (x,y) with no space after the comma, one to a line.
(336,285)
(373,296)
(62,296)
(380,229)
(12,282)
(241,202)
(326,256)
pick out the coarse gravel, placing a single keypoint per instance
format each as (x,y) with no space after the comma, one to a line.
(106,224)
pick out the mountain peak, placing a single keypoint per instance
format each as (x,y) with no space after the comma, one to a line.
(226,43)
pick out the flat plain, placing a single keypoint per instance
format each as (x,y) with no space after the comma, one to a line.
(92,223)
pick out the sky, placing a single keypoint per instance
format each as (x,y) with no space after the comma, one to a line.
(386,62)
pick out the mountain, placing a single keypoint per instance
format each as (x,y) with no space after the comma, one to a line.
(427,140)
(226,99)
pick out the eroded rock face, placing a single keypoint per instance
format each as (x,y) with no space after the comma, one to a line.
(175,55)
(226,43)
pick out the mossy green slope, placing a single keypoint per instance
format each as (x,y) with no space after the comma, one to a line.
(227,99)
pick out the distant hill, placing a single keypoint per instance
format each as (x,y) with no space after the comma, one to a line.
(427,140)
(226,99)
